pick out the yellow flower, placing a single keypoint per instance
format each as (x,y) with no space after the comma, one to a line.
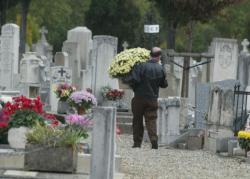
(124,61)
(244,134)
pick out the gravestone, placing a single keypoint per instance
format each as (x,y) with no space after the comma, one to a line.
(203,92)
(104,50)
(103,143)
(168,119)
(72,49)
(61,59)
(220,119)
(9,55)
(80,54)
(30,76)
(224,65)
(59,75)
(201,104)
(82,36)
(244,64)
(42,47)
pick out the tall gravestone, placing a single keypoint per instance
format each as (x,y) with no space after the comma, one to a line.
(225,62)
(104,50)
(59,75)
(9,55)
(82,36)
(72,50)
(42,47)
(243,74)
(103,143)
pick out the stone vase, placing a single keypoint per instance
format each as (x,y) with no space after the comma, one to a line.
(63,107)
(17,137)
(110,103)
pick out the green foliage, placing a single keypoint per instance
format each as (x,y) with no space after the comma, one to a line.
(4,135)
(26,118)
(120,18)
(244,143)
(55,137)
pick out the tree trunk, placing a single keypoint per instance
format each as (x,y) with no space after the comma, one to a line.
(171,34)
(3,7)
(24,11)
(185,74)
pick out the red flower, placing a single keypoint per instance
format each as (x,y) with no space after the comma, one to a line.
(3,124)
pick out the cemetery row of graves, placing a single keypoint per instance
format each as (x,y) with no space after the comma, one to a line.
(69,105)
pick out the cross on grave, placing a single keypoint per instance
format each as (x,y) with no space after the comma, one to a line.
(61,71)
(43,31)
(125,45)
(245,44)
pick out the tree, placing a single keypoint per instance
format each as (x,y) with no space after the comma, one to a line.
(120,18)
(182,12)
(24,12)
(4,6)
(187,12)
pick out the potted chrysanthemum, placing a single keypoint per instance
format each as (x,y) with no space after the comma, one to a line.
(63,91)
(124,62)
(244,140)
(82,101)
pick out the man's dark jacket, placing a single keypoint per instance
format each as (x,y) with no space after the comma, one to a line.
(146,78)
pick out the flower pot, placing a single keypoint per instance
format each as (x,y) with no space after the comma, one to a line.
(123,85)
(81,111)
(63,107)
(50,159)
(17,137)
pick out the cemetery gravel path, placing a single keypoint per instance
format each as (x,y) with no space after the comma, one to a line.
(163,163)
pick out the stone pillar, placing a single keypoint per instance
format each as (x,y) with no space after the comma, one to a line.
(168,119)
(9,55)
(104,50)
(103,143)
(225,62)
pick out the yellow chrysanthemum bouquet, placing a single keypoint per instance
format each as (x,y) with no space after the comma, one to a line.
(244,140)
(124,62)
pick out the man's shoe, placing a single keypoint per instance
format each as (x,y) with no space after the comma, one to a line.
(136,146)
(154,145)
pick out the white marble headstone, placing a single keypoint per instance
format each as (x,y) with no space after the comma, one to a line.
(224,65)
(9,55)
(104,50)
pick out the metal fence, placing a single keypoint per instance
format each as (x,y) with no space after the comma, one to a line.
(240,108)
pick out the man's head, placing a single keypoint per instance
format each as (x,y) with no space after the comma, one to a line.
(155,53)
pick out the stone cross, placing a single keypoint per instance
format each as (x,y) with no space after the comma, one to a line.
(125,45)
(245,44)
(61,71)
(43,31)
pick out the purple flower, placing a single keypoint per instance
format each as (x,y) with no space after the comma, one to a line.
(79,97)
(78,120)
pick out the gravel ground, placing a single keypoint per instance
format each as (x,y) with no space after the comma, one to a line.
(145,163)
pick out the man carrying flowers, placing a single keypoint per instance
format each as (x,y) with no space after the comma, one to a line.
(145,80)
